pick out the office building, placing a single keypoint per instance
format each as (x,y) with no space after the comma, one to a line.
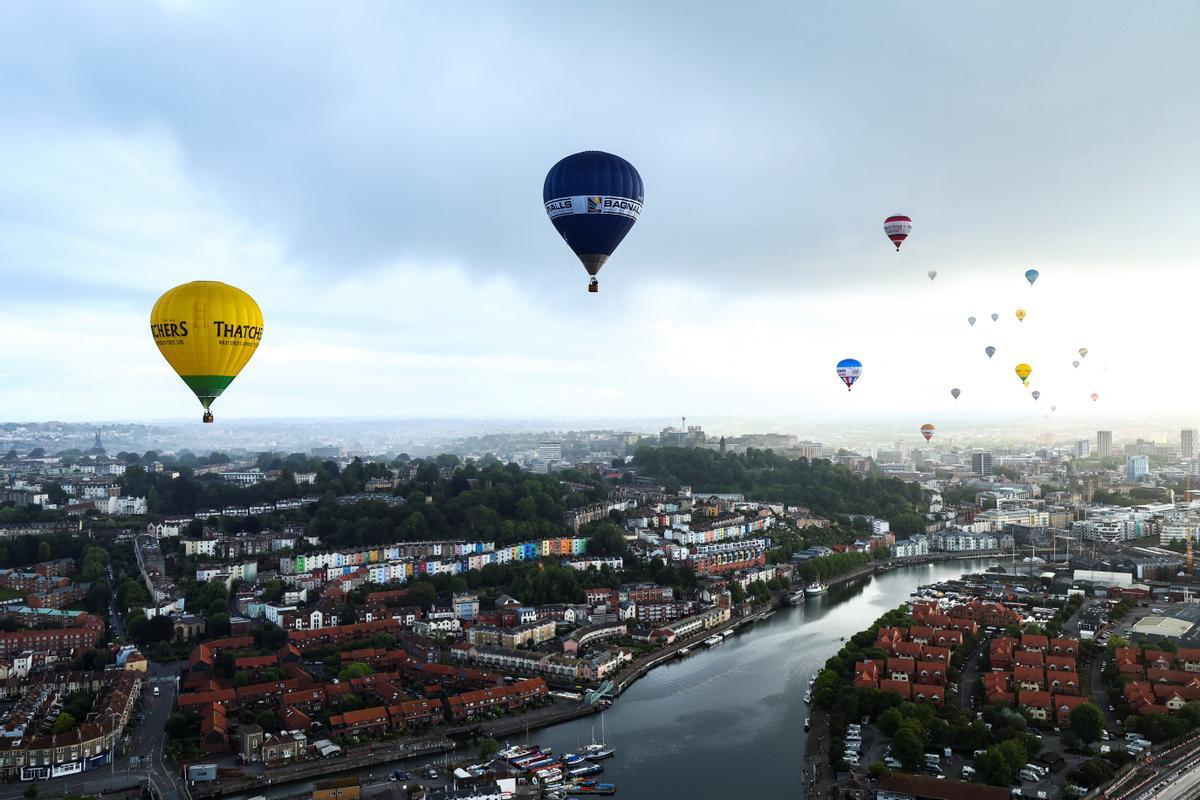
(1104,444)
(1136,467)
(981,464)
(1187,442)
(550,451)
(1083,448)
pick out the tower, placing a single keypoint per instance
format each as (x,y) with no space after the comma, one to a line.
(722,447)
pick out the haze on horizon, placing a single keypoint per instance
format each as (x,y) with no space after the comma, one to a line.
(372,176)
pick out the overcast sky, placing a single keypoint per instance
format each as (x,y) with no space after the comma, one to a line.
(371,174)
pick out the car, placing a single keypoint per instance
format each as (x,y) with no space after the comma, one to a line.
(967,772)
(1110,707)
(891,763)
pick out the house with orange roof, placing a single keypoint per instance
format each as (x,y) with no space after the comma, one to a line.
(1039,704)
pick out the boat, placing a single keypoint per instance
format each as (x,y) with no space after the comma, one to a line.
(585,770)
(713,640)
(725,634)
(571,759)
(795,598)
(806,725)
(592,787)
(814,589)
(598,750)
(683,651)
(807,697)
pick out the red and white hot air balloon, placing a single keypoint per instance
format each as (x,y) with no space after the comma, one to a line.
(897,227)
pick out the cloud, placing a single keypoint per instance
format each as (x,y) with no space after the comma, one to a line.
(373,174)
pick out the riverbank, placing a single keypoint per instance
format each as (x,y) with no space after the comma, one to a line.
(566,715)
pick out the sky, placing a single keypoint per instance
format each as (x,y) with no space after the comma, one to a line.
(371,173)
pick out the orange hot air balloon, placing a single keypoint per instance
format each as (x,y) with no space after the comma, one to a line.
(927,431)
(1095,397)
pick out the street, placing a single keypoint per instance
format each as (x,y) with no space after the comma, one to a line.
(148,744)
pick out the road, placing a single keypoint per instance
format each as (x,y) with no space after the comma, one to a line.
(148,744)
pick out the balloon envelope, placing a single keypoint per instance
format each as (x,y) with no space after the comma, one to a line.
(955,393)
(593,198)
(1075,364)
(927,431)
(971,321)
(932,274)
(995,317)
(897,227)
(991,351)
(849,370)
(1083,351)
(207,331)
(1031,275)
(1023,371)
(1054,408)
(1095,397)
(1020,315)
(1036,394)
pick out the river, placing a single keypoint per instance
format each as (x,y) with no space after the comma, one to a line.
(729,721)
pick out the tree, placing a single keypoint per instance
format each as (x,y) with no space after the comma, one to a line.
(355,670)
(1087,722)
(218,624)
(992,768)
(889,722)
(62,723)
(267,721)
(908,748)
(44,552)
(349,702)
(488,748)
(176,726)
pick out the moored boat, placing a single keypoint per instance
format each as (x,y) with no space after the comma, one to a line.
(806,725)
(585,770)
(795,598)
(592,787)
(815,588)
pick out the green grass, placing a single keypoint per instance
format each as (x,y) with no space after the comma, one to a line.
(10,594)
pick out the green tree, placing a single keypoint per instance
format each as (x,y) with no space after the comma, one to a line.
(268,721)
(909,748)
(355,670)
(176,726)
(1087,722)
(488,748)
(62,723)
(992,768)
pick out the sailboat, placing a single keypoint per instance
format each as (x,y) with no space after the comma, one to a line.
(598,751)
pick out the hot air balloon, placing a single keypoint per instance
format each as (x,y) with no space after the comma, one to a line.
(927,431)
(955,393)
(1095,397)
(1075,364)
(1036,394)
(207,331)
(971,321)
(1020,315)
(1023,372)
(1031,275)
(593,199)
(1054,408)
(849,370)
(995,317)
(932,274)
(897,227)
(1083,351)
(991,351)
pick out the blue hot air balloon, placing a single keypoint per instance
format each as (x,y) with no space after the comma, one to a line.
(593,199)
(849,370)
(1031,275)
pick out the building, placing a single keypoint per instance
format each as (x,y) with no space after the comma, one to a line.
(1136,467)
(981,464)
(900,786)
(1104,444)
(1083,448)
(549,451)
(337,789)
(1187,442)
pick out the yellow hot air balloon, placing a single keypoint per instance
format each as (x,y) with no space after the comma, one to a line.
(1023,372)
(207,331)
(1020,315)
